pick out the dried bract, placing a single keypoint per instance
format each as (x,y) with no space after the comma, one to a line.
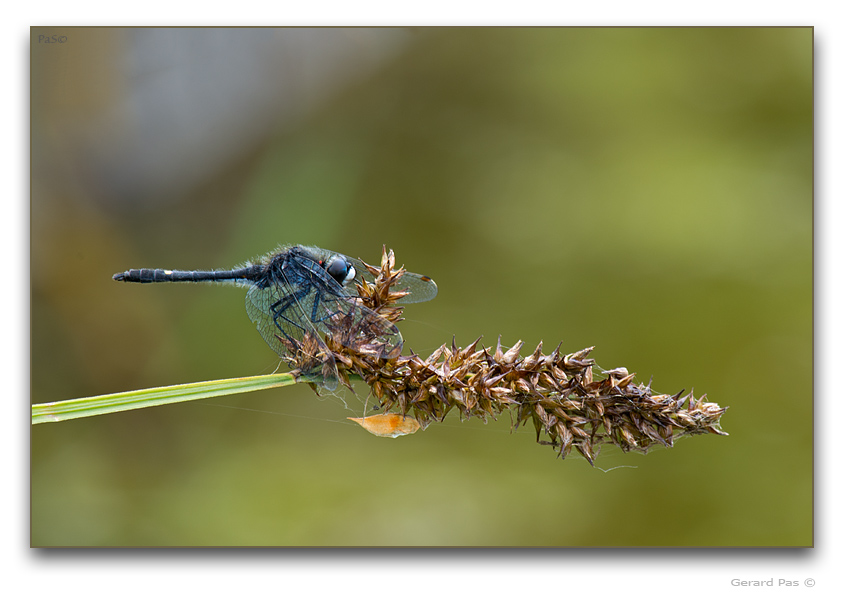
(388,425)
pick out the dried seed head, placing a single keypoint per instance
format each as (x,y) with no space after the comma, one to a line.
(556,393)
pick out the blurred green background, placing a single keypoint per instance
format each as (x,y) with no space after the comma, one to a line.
(644,190)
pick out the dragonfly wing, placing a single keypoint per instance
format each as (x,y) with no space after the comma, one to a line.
(358,328)
(336,311)
(420,287)
(278,313)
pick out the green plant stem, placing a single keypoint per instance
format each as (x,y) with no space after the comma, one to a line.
(110,403)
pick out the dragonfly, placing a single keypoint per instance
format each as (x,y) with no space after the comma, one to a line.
(299,295)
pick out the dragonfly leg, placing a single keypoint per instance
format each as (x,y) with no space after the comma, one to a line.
(282,305)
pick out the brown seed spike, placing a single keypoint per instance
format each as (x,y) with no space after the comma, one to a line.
(556,391)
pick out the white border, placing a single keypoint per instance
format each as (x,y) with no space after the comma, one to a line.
(493,571)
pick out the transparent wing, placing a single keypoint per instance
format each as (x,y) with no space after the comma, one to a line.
(420,287)
(336,313)
(291,335)
(296,317)
(360,329)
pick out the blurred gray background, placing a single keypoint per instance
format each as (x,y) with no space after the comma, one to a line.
(645,191)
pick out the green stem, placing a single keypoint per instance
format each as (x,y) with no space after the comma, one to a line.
(110,403)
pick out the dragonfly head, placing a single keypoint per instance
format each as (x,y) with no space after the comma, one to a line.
(340,269)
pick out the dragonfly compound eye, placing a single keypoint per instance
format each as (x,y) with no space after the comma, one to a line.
(340,269)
